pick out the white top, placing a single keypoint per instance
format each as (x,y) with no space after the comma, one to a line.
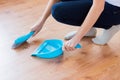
(114,2)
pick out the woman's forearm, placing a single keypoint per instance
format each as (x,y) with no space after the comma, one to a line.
(39,24)
(47,10)
(91,18)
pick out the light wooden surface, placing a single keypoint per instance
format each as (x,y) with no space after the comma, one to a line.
(92,62)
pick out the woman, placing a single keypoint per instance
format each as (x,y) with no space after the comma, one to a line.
(84,13)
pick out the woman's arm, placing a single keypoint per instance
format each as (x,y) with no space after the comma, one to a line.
(39,24)
(93,14)
(47,11)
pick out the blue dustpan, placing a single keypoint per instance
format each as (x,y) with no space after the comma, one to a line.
(22,39)
(50,49)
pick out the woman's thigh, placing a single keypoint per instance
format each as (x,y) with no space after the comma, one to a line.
(71,12)
(74,12)
(109,17)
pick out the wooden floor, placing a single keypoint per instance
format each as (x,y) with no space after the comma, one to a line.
(92,62)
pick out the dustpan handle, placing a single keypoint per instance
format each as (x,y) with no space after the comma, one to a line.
(78,46)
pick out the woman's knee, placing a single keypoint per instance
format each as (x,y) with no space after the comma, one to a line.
(57,11)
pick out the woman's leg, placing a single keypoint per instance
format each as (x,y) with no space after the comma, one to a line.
(110,16)
(106,35)
(91,33)
(74,13)
(71,12)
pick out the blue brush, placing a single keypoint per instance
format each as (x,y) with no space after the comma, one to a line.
(22,39)
(50,49)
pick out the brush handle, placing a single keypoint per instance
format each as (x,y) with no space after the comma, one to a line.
(30,34)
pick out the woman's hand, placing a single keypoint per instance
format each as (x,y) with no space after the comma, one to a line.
(70,45)
(37,27)
(91,18)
